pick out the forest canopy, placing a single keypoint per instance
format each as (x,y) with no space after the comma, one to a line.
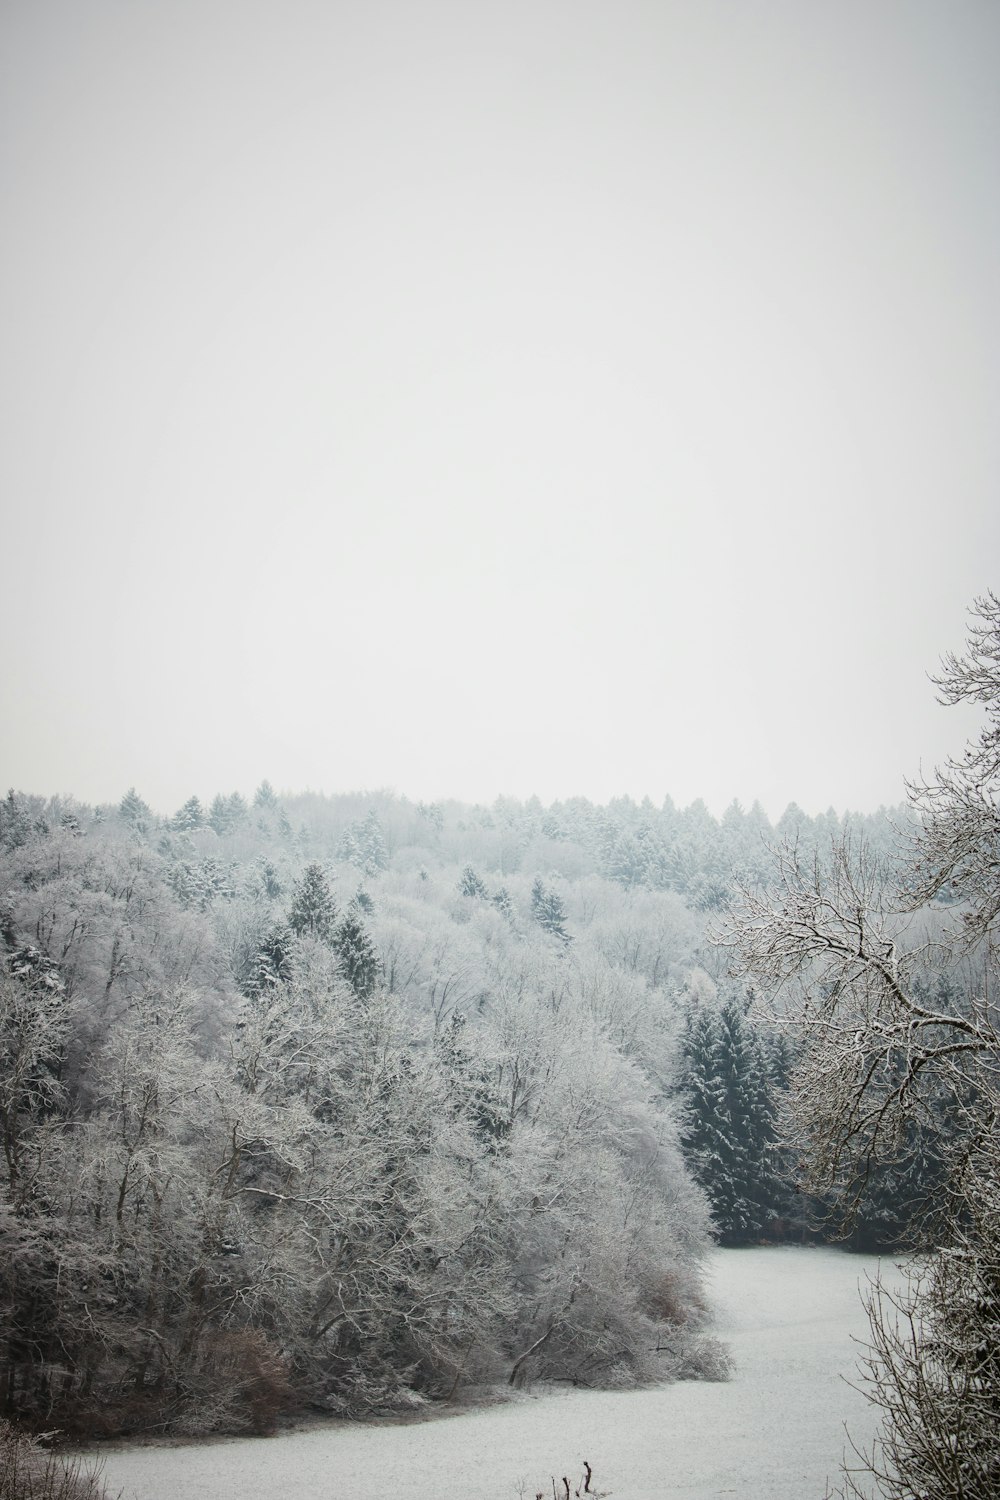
(349,1102)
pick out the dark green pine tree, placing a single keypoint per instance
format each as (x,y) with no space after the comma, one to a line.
(548,911)
(730,1136)
(707,1132)
(537,897)
(358,959)
(899,1193)
(313,909)
(271,965)
(779,1058)
(795,1213)
(751,1107)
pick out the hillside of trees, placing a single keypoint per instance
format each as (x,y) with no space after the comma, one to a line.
(350,1103)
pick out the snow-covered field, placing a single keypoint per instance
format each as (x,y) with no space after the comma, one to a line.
(775,1431)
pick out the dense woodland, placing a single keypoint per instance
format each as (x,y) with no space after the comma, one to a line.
(348,1103)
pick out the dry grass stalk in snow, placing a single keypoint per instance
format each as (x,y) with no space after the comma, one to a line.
(30,1471)
(563,1490)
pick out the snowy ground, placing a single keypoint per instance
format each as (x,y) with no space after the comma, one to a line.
(775,1431)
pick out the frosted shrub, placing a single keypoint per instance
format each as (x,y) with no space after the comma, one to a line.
(28,1471)
(241,1383)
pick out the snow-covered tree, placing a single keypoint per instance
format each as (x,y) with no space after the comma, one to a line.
(363,844)
(548,910)
(708,1130)
(188,817)
(271,963)
(730,1129)
(313,909)
(879,1050)
(226,814)
(356,952)
(33,1025)
(473,885)
(501,900)
(135,812)
(17,821)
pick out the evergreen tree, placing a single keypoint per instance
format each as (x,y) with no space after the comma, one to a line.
(548,911)
(135,812)
(501,900)
(349,848)
(356,952)
(188,817)
(313,908)
(33,967)
(363,844)
(730,1136)
(181,880)
(265,795)
(472,884)
(706,1137)
(15,821)
(779,1058)
(226,813)
(751,1115)
(270,880)
(375,855)
(199,883)
(271,964)
(900,1194)
(217,815)
(238,810)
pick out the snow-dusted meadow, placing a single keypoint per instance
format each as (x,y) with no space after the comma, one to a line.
(775,1431)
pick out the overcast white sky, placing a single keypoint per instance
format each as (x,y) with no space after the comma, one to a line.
(497,396)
